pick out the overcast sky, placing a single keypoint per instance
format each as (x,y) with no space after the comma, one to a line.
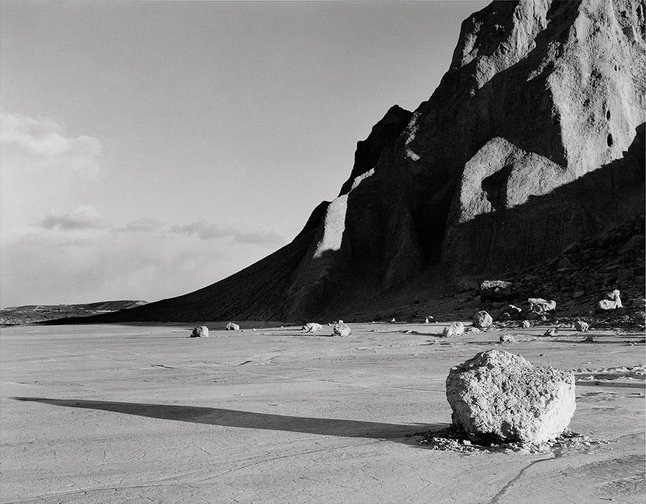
(149,149)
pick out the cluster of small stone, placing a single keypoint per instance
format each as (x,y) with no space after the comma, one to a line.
(450,439)
(614,260)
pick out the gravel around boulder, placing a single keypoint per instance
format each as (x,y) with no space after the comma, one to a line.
(500,397)
(200,332)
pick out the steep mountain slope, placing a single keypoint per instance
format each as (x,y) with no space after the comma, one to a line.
(532,141)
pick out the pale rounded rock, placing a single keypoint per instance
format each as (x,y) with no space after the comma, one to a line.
(453,329)
(200,332)
(500,397)
(581,326)
(312,327)
(232,327)
(482,320)
(541,306)
(341,329)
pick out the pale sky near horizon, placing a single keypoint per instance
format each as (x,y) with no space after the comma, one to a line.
(149,149)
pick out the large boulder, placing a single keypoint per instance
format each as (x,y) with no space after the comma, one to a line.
(482,320)
(200,332)
(232,327)
(496,290)
(500,397)
(453,329)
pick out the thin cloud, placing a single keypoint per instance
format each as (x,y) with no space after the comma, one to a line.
(42,143)
(81,218)
(209,231)
(145,225)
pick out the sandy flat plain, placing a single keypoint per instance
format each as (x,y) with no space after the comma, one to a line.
(116,413)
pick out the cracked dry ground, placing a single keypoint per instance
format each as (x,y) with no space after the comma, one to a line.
(143,413)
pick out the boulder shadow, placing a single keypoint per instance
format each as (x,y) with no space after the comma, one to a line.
(401,433)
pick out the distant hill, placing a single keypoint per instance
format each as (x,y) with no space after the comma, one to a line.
(30,314)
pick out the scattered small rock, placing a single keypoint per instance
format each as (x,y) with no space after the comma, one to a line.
(500,397)
(527,324)
(200,332)
(509,312)
(450,439)
(507,338)
(581,326)
(341,329)
(312,327)
(589,338)
(541,306)
(550,332)
(232,327)
(496,290)
(482,320)
(612,301)
(453,329)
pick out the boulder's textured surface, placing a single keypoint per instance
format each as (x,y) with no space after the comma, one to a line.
(581,326)
(482,320)
(232,327)
(453,329)
(497,396)
(496,290)
(533,140)
(341,329)
(200,332)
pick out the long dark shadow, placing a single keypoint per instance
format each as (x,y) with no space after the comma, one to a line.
(248,419)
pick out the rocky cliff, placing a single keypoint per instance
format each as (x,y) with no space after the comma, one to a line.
(533,140)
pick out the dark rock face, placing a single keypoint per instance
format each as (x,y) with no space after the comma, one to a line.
(369,150)
(533,140)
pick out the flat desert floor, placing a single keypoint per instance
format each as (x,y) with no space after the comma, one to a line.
(116,413)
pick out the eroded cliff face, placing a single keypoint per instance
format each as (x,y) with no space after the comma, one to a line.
(524,148)
(532,141)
